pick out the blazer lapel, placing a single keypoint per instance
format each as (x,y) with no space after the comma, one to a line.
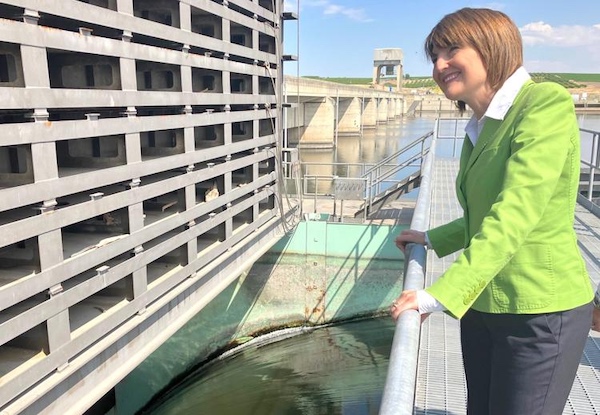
(487,135)
(470,154)
(465,155)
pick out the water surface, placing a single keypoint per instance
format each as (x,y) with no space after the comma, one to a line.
(332,370)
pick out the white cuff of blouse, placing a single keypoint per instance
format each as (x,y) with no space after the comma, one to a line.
(427,243)
(427,303)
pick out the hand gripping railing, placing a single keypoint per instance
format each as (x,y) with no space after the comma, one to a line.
(399,392)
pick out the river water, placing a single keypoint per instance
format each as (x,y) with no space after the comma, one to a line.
(386,139)
(328,371)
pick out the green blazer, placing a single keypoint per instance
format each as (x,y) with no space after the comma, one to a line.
(517,188)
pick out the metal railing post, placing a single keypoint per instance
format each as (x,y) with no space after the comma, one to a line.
(593,164)
(315,198)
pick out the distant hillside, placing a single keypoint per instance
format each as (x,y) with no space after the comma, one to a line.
(565,80)
(568,80)
(580,77)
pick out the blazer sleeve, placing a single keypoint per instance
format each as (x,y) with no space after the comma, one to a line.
(448,238)
(539,147)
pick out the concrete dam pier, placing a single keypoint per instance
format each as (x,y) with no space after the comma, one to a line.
(317,112)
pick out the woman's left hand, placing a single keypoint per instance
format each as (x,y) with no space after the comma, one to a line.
(596,320)
(409,236)
(406,301)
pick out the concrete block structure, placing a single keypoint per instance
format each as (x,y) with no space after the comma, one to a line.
(138,177)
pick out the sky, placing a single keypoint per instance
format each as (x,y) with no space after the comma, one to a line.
(337,38)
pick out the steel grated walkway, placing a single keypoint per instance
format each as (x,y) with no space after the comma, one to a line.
(441,387)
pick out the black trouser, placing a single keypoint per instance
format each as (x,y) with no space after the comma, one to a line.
(520,364)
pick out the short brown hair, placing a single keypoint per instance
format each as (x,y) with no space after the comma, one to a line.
(491,33)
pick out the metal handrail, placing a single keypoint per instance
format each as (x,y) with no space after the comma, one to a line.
(398,153)
(375,175)
(379,173)
(359,168)
(399,392)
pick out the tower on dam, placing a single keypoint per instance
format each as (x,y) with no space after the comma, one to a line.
(387,62)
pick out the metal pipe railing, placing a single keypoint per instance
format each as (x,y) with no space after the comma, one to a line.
(391,158)
(377,175)
(399,392)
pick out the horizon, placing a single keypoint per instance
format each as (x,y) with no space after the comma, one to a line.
(338,41)
(429,76)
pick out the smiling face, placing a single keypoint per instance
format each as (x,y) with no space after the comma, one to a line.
(461,75)
(473,52)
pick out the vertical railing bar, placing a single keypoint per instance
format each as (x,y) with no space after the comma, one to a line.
(593,165)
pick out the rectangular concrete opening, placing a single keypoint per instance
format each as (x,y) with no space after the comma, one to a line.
(160,11)
(11,66)
(152,76)
(211,237)
(241,131)
(265,86)
(161,143)
(206,24)
(16,165)
(25,349)
(83,71)
(243,218)
(210,189)
(95,232)
(241,35)
(206,80)
(209,136)
(167,264)
(88,154)
(266,127)
(266,43)
(161,207)
(19,260)
(266,204)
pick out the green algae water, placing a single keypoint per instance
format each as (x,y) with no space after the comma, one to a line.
(338,369)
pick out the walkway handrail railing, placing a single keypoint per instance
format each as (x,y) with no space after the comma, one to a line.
(392,157)
(377,177)
(399,392)
(380,172)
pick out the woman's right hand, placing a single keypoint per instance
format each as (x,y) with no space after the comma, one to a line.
(407,301)
(409,236)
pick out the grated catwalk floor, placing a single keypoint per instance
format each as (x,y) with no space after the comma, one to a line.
(441,388)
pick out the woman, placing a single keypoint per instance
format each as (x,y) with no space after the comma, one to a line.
(519,287)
